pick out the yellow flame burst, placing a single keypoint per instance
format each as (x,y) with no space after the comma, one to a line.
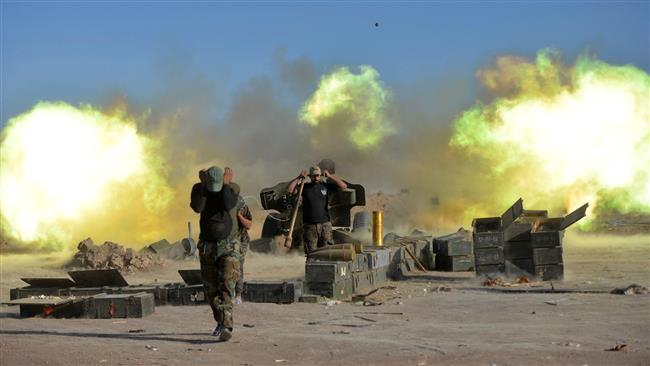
(63,166)
(354,103)
(573,134)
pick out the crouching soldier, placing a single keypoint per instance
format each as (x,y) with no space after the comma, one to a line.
(218,246)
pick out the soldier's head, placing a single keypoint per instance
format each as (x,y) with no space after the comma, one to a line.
(314,173)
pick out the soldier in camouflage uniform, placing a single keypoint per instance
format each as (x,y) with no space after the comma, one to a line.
(218,245)
(245,221)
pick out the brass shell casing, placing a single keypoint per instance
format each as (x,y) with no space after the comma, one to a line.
(377,236)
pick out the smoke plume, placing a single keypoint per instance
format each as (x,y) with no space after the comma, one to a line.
(553,134)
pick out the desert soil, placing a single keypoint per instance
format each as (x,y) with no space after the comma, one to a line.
(432,319)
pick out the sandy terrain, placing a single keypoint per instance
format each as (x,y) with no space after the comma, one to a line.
(468,325)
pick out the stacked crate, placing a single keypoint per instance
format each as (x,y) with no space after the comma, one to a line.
(489,241)
(528,244)
(374,274)
(332,279)
(453,252)
(488,246)
(401,262)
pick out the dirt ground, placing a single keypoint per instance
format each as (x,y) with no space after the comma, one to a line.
(417,324)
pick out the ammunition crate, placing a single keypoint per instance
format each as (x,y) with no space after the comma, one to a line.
(377,258)
(489,269)
(106,306)
(488,239)
(360,262)
(362,282)
(518,250)
(519,267)
(488,256)
(419,246)
(380,276)
(278,292)
(428,257)
(326,271)
(58,307)
(178,294)
(459,263)
(453,248)
(517,232)
(160,291)
(550,272)
(544,256)
(336,290)
(90,291)
(547,239)
(24,292)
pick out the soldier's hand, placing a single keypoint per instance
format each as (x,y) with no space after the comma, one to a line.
(326,173)
(202,176)
(303,173)
(227,175)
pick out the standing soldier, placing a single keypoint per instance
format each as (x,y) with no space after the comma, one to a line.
(244,223)
(218,245)
(317,228)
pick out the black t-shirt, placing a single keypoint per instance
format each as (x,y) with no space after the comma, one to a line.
(315,198)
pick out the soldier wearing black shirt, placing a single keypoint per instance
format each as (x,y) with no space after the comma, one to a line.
(317,228)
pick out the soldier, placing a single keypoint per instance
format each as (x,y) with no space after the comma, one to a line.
(317,228)
(244,223)
(218,245)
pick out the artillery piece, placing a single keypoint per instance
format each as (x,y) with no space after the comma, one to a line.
(281,204)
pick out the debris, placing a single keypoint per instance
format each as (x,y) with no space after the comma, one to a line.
(524,279)
(136,330)
(441,288)
(151,348)
(491,282)
(632,289)
(572,344)
(340,332)
(366,319)
(279,361)
(619,348)
(555,302)
(102,361)
(372,303)
(248,325)
(112,255)
(353,325)
(332,302)
(379,313)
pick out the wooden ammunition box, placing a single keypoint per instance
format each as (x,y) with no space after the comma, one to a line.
(105,306)
(459,263)
(543,256)
(488,256)
(278,292)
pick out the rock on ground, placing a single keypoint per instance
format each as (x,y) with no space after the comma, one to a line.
(112,255)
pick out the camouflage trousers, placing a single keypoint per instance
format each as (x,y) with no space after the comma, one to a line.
(317,235)
(220,273)
(240,283)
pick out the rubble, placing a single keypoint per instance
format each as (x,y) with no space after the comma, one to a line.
(112,255)
(633,289)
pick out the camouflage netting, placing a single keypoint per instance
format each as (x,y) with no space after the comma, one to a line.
(112,255)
